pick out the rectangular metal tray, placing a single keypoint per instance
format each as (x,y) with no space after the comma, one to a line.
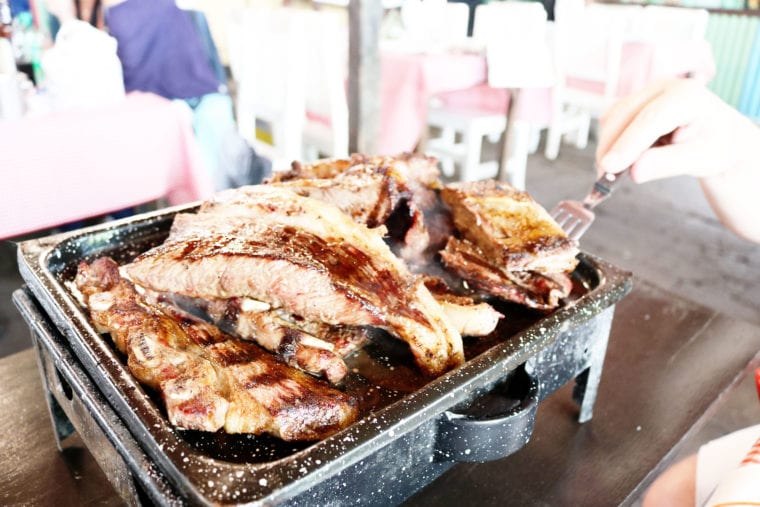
(400,407)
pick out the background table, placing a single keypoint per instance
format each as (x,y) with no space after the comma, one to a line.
(667,363)
(459,80)
(77,164)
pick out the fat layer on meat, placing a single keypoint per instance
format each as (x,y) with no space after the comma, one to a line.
(307,257)
(207,379)
(255,321)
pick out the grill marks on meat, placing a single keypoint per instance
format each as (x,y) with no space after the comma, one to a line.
(365,193)
(308,258)
(373,191)
(270,329)
(209,380)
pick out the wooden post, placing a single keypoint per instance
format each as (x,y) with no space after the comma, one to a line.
(364,17)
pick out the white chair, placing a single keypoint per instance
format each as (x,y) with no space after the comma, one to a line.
(432,25)
(325,130)
(290,67)
(514,35)
(269,67)
(588,50)
(660,22)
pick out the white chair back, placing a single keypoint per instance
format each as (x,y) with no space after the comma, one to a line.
(268,65)
(660,22)
(514,34)
(434,24)
(326,55)
(625,17)
(588,47)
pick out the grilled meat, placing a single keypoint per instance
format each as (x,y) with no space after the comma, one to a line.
(542,291)
(373,191)
(469,317)
(254,321)
(509,227)
(209,380)
(308,258)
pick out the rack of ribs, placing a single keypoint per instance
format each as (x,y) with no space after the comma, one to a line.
(306,257)
(207,379)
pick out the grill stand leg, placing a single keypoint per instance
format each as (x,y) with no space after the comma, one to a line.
(62,427)
(578,353)
(109,460)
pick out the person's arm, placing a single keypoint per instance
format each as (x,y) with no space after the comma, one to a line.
(710,140)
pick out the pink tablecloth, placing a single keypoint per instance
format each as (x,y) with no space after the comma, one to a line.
(73,165)
(408,82)
(459,81)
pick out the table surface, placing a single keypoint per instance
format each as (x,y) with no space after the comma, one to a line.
(459,81)
(82,163)
(667,363)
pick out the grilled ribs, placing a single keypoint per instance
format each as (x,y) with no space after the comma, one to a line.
(375,191)
(306,257)
(313,347)
(207,379)
(510,247)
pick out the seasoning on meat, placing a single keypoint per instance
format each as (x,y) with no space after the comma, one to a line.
(304,256)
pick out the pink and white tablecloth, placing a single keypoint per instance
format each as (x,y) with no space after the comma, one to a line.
(77,164)
(408,81)
(459,80)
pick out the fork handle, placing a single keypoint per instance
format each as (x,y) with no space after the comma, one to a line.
(603,187)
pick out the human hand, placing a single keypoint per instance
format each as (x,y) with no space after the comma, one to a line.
(707,136)
(707,139)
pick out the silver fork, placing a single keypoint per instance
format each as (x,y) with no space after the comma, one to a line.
(575,217)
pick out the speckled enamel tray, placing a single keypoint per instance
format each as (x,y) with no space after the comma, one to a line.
(400,408)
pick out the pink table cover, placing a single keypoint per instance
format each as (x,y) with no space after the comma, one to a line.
(460,81)
(408,82)
(76,164)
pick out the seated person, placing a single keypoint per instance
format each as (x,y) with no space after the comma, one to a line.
(82,68)
(162,52)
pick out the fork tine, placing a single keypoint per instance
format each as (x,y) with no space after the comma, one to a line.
(560,215)
(578,229)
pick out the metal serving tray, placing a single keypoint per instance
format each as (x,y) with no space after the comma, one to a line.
(412,428)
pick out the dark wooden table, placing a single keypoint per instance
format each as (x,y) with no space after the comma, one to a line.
(668,362)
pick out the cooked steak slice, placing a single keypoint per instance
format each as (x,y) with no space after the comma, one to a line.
(367,196)
(250,321)
(321,169)
(373,195)
(542,291)
(509,227)
(209,380)
(310,259)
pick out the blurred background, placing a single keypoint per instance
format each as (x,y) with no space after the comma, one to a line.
(110,108)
